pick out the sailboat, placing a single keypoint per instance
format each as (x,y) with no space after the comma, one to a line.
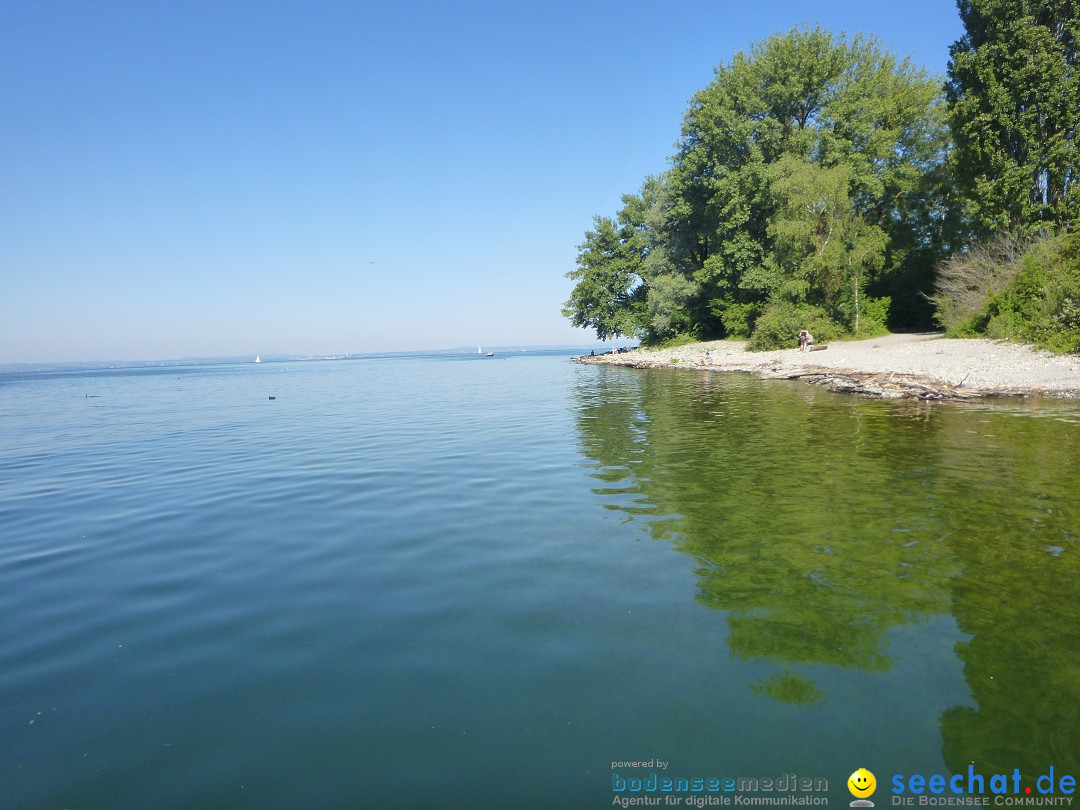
(479,350)
(257,360)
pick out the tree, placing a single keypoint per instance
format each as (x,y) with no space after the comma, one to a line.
(805,132)
(1014,107)
(823,252)
(609,296)
(608,280)
(806,113)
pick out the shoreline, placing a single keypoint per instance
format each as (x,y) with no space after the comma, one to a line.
(924,366)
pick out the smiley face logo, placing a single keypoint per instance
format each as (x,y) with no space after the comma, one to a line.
(861,783)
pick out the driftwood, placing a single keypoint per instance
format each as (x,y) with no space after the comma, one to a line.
(885,386)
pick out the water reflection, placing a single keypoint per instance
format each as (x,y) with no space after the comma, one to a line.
(819,523)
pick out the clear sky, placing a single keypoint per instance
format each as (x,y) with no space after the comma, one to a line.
(199,179)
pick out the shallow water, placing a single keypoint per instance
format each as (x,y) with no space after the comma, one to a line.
(470,582)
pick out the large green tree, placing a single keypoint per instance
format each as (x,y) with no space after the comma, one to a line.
(807,131)
(806,175)
(822,250)
(1014,105)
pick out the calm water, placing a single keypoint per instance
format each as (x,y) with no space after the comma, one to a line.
(472,583)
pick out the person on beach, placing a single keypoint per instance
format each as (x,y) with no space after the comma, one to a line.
(705,359)
(806,340)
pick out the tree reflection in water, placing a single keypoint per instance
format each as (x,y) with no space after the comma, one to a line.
(819,522)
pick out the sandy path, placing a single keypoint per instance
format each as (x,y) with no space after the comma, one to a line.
(898,365)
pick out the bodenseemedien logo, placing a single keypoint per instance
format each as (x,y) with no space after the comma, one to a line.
(862,785)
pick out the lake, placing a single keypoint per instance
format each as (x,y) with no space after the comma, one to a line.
(462,582)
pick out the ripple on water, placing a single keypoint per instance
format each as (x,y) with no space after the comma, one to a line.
(526,567)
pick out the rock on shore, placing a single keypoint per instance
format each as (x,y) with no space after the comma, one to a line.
(926,366)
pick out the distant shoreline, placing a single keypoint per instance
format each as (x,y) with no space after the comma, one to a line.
(923,366)
(62,366)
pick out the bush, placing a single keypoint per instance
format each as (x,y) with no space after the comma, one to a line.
(967,282)
(778,326)
(738,319)
(674,342)
(1041,303)
(669,297)
(873,317)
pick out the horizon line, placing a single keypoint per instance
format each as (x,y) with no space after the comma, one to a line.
(281,356)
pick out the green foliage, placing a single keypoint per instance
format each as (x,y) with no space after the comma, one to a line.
(668,306)
(874,318)
(966,282)
(1013,84)
(672,342)
(808,171)
(1015,289)
(815,171)
(737,318)
(780,323)
(1041,304)
(823,251)
(604,297)
(610,293)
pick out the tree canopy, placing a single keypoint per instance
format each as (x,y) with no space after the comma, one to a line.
(807,177)
(610,294)
(1014,107)
(820,182)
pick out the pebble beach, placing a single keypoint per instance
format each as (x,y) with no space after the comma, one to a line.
(926,365)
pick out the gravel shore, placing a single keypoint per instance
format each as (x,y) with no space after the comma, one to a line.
(927,366)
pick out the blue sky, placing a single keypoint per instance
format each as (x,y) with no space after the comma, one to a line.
(198,179)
